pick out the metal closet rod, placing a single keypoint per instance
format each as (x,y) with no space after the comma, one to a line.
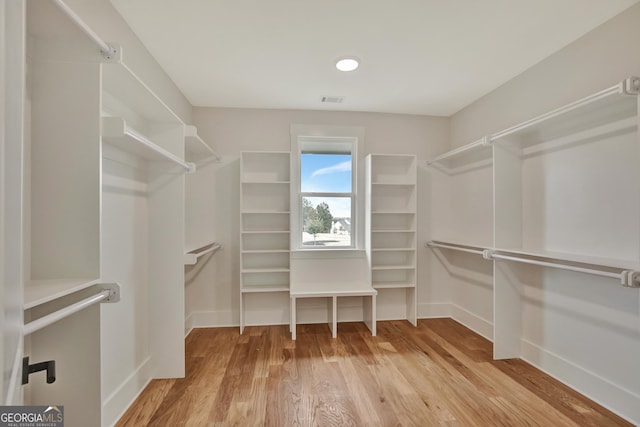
(110,293)
(107,51)
(629,278)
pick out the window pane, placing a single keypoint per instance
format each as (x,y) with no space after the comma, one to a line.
(326,221)
(325,173)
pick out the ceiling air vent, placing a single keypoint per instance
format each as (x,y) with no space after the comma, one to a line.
(333,99)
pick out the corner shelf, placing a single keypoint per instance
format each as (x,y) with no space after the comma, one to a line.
(455,160)
(116,132)
(196,150)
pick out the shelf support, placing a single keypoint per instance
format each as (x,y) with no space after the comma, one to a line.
(630,86)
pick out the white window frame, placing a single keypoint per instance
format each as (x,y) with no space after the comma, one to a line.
(305,136)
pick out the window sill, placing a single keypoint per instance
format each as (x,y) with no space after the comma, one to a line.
(327,253)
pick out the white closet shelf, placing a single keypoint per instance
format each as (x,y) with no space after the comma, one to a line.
(266,270)
(196,150)
(260,289)
(393,267)
(607,106)
(127,89)
(475,151)
(265,251)
(393,285)
(37,292)
(191,257)
(116,132)
(328,289)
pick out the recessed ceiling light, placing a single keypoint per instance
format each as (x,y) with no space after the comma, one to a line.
(347,64)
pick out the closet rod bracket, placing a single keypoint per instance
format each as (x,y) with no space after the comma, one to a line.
(631,86)
(114,292)
(630,279)
(487,254)
(111,54)
(486,141)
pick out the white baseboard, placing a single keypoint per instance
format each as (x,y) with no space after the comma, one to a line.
(619,400)
(434,310)
(210,319)
(119,401)
(472,321)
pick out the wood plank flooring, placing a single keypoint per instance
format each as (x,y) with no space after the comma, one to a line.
(438,374)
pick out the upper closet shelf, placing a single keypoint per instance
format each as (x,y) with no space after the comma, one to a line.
(611,107)
(125,91)
(37,292)
(196,150)
(476,151)
(116,132)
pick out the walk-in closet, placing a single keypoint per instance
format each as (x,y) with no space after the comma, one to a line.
(216,213)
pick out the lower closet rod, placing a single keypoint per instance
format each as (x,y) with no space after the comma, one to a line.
(47,320)
(560,266)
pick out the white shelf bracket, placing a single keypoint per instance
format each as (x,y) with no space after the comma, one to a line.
(486,141)
(487,254)
(114,292)
(192,167)
(111,54)
(630,86)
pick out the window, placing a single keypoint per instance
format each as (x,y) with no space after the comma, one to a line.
(325,182)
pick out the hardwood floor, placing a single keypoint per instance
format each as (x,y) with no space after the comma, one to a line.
(438,374)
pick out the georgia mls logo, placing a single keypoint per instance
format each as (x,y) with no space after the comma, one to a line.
(32,416)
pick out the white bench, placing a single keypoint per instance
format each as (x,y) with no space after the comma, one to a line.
(334,290)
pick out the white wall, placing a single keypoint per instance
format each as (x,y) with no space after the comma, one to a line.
(578,328)
(236,130)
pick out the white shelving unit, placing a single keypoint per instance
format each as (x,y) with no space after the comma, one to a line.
(391,229)
(565,250)
(264,225)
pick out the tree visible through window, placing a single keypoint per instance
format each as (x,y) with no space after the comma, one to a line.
(326,184)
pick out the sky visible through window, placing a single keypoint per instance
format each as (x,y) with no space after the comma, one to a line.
(328,173)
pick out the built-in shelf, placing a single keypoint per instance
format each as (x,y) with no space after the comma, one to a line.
(264,225)
(191,257)
(393,267)
(263,289)
(473,152)
(115,131)
(37,292)
(196,150)
(123,89)
(393,285)
(608,106)
(265,270)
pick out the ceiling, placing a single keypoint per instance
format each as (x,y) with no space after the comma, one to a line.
(429,57)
